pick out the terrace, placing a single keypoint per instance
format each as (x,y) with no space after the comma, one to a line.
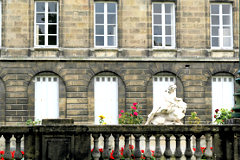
(61,139)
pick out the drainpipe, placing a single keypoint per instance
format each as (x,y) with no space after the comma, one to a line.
(236,108)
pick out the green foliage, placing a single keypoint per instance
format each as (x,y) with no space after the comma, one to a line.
(222,115)
(194,119)
(131,117)
(30,122)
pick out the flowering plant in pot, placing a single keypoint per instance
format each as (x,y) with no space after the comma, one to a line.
(222,115)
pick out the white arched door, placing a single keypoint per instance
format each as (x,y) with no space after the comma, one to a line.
(160,85)
(46,97)
(222,93)
(106,99)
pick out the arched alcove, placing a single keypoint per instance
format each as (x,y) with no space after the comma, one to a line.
(50,77)
(91,96)
(161,76)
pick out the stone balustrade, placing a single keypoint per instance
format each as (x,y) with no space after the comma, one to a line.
(73,142)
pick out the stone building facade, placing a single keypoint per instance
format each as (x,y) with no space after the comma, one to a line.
(135,60)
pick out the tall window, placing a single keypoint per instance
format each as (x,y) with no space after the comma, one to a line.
(46,97)
(163,27)
(221,26)
(46,24)
(105,34)
(160,85)
(222,92)
(106,99)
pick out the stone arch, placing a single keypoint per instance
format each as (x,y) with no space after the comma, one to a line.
(62,94)
(121,94)
(208,88)
(180,88)
(2,103)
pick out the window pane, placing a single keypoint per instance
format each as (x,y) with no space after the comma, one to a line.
(157,30)
(215,41)
(99,7)
(52,6)
(40,6)
(99,19)
(168,19)
(112,30)
(168,30)
(226,20)
(111,41)
(41,40)
(226,9)
(214,9)
(168,8)
(52,40)
(215,20)
(226,31)
(215,31)
(40,29)
(99,40)
(99,29)
(111,7)
(157,41)
(111,19)
(40,18)
(157,19)
(52,18)
(227,41)
(157,8)
(168,41)
(52,29)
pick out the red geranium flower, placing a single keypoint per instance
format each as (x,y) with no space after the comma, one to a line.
(135,104)
(133,107)
(215,116)
(135,113)
(131,147)
(216,110)
(111,155)
(142,151)
(100,150)
(194,149)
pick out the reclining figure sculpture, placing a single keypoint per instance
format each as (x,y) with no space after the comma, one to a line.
(170,111)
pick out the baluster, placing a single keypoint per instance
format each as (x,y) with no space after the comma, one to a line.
(106,153)
(7,154)
(116,153)
(147,149)
(168,152)
(137,152)
(188,151)
(127,152)
(208,152)
(178,152)
(198,152)
(158,152)
(95,153)
(18,154)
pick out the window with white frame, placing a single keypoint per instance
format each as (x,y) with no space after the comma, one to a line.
(222,93)
(163,27)
(221,26)
(46,97)
(46,24)
(105,28)
(160,85)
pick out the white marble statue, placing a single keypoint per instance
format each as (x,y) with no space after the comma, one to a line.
(169,111)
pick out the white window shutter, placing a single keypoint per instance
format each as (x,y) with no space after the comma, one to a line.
(160,85)
(46,97)
(106,99)
(222,93)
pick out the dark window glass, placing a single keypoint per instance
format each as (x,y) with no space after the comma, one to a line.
(52,40)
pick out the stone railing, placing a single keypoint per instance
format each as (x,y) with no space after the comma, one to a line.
(73,142)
